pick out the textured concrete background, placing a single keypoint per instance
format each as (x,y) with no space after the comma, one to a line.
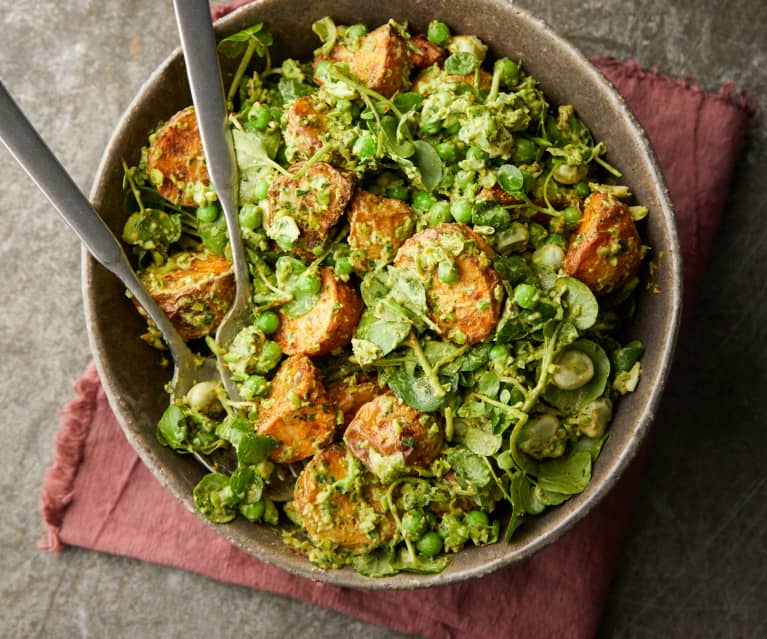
(695,561)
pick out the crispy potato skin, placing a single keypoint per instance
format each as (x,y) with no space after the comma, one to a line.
(344,526)
(328,325)
(351,393)
(606,250)
(298,413)
(196,295)
(428,52)
(391,427)
(306,126)
(316,202)
(469,306)
(378,227)
(382,60)
(176,152)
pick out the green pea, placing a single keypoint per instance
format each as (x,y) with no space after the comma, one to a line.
(254,386)
(268,322)
(524,151)
(259,117)
(356,31)
(208,213)
(509,71)
(269,357)
(447,152)
(344,266)
(430,545)
(398,193)
(453,129)
(431,128)
(423,201)
(448,272)
(495,216)
(463,179)
(476,519)
(476,154)
(556,238)
(253,512)
(250,216)
(624,358)
(525,295)
(438,32)
(512,268)
(261,189)
(414,524)
(572,216)
(582,189)
(308,284)
(461,211)
(364,147)
(499,352)
(439,213)
(538,234)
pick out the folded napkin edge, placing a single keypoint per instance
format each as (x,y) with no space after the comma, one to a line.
(58,483)
(728,92)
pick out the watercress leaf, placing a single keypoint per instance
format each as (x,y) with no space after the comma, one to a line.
(590,445)
(234,428)
(234,46)
(421,564)
(407,100)
(240,480)
(568,475)
(172,429)
(582,306)
(291,89)
(396,149)
(549,497)
(476,358)
(326,31)
(461,63)
(416,392)
(255,448)
(520,491)
(214,235)
(385,334)
(428,164)
(381,563)
(212,497)
(570,401)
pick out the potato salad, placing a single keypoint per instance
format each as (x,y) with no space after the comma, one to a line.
(442,266)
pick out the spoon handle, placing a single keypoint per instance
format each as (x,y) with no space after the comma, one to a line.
(198,42)
(34,156)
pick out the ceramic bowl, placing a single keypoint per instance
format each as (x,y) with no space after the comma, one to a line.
(131,372)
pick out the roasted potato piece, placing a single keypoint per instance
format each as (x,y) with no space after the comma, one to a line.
(195,290)
(428,52)
(328,325)
(390,437)
(465,309)
(315,202)
(379,226)
(297,411)
(306,127)
(350,393)
(382,60)
(352,517)
(175,161)
(606,250)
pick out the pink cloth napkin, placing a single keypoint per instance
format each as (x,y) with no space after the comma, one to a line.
(99,495)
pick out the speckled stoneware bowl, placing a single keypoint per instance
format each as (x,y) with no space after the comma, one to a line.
(131,371)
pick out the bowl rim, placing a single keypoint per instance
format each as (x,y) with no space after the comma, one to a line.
(589,499)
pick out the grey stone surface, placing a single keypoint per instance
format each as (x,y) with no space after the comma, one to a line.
(695,561)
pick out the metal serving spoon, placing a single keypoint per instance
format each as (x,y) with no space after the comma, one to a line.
(198,42)
(34,156)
